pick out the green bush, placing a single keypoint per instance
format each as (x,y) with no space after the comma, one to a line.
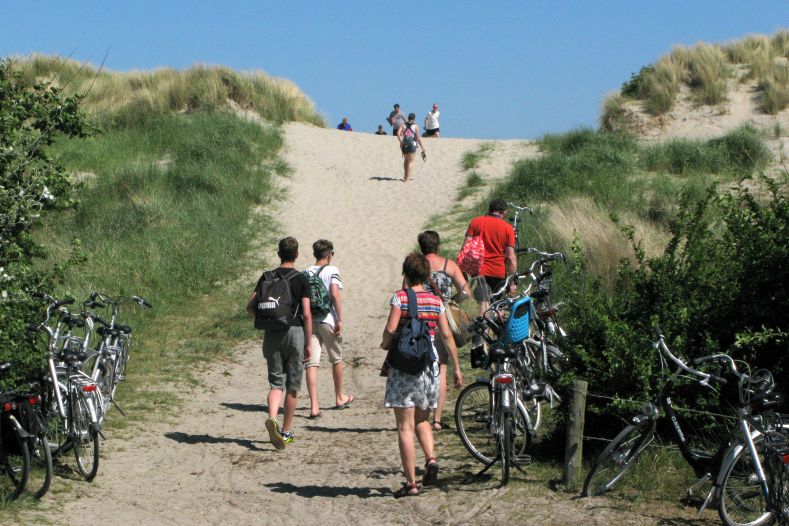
(32,184)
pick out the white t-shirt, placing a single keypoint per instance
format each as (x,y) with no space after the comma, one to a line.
(330,275)
(432,120)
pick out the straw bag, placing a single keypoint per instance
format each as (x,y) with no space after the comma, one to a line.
(458,322)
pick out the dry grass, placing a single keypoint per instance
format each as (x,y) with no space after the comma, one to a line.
(775,90)
(706,69)
(169,90)
(605,245)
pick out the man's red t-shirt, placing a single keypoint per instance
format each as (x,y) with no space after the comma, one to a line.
(496,234)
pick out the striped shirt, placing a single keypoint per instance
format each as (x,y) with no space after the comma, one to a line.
(429,307)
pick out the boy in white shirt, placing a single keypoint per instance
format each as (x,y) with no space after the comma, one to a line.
(327,331)
(431,123)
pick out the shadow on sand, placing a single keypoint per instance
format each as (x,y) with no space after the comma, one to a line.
(378,178)
(185,438)
(309,492)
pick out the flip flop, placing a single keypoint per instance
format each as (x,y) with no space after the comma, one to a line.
(313,417)
(347,404)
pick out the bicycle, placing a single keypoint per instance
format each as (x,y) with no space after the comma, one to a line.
(71,399)
(725,464)
(14,453)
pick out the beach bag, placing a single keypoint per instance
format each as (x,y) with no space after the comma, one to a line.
(412,350)
(472,256)
(274,302)
(458,322)
(409,139)
(320,302)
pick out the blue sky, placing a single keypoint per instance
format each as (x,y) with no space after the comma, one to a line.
(508,69)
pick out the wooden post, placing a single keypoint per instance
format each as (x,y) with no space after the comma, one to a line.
(573,454)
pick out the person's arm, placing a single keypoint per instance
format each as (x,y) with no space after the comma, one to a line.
(251,304)
(391,327)
(306,316)
(459,280)
(511,262)
(336,299)
(449,342)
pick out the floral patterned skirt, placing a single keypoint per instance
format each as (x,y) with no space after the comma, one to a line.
(412,390)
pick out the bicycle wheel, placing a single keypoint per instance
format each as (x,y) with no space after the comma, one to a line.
(14,463)
(40,465)
(85,441)
(473,422)
(742,502)
(534,409)
(505,446)
(616,459)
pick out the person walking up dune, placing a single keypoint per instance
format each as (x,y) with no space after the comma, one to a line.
(409,139)
(326,304)
(431,123)
(396,119)
(281,308)
(412,396)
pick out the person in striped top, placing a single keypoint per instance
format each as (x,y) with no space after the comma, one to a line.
(413,396)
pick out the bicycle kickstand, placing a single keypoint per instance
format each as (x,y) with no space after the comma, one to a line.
(121,411)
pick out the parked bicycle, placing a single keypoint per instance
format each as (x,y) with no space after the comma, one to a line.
(741,479)
(71,398)
(14,453)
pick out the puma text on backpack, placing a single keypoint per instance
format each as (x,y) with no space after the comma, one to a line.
(472,256)
(274,301)
(413,349)
(320,302)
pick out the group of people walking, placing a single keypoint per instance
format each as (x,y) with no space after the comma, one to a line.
(296,344)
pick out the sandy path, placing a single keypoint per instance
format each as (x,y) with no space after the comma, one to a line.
(213,464)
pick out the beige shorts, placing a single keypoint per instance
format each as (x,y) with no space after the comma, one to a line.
(323,338)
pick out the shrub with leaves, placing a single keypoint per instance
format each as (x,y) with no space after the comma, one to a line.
(31,183)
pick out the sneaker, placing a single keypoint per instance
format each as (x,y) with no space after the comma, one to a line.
(288,437)
(273,433)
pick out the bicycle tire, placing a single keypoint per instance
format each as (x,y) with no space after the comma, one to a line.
(505,447)
(40,465)
(14,463)
(472,421)
(85,441)
(614,461)
(741,501)
(534,409)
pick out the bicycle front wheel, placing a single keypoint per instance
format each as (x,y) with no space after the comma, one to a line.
(742,502)
(473,420)
(616,459)
(85,441)
(14,463)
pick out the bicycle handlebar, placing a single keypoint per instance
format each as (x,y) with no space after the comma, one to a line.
(519,209)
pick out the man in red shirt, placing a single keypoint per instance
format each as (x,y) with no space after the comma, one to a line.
(499,239)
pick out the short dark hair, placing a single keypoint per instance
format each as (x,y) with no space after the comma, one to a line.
(322,248)
(396,105)
(416,269)
(428,242)
(411,116)
(497,205)
(288,249)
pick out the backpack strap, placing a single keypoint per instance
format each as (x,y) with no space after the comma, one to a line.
(413,310)
(446,262)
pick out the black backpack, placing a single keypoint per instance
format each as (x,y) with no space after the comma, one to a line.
(409,141)
(412,351)
(274,310)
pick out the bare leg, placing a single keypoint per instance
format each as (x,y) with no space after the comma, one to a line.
(337,371)
(274,399)
(442,393)
(291,399)
(311,374)
(405,439)
(408,165)
(424,433)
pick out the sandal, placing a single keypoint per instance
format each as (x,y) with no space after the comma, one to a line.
(431,472)
(347,404)
(406,490)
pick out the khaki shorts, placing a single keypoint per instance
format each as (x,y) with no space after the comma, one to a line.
(323,338)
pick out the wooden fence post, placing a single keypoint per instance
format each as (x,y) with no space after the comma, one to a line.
(573,454)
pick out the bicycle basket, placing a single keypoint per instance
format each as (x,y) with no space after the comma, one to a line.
(516,328)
